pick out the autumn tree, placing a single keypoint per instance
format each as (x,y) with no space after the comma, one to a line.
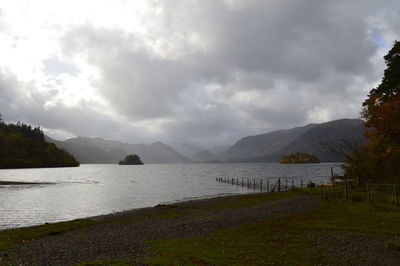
(381,110)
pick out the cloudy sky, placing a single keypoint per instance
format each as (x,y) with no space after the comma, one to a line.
(205,72)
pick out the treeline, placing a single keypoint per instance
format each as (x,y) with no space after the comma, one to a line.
(299,157)
(379,160)
(22,146)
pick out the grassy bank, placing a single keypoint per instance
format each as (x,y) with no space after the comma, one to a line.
(292,239)
(334,232)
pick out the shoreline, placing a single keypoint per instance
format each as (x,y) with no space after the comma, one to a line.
(17,183)
(127,233)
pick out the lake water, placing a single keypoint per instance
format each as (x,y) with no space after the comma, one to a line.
(91,190)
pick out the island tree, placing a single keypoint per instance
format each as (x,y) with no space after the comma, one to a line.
(299,157)
(131,159)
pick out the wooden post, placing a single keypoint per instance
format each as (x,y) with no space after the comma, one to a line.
(396,195)
(261,185)
(292,185)
(248,183)
(368,192)
(301,184)
(279,185)
(286,185)
(254,185)
(267,185)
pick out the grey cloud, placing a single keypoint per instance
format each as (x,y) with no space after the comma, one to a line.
(300,56)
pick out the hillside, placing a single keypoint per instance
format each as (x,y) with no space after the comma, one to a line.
(270,147)
(22,146)
(263,144)
(99,150)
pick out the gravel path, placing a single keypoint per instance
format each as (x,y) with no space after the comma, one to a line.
(123,235)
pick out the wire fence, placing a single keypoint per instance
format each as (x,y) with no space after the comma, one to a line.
(345,190)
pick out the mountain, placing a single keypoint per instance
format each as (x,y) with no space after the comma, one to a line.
(272,146)
(91,150)
(187,150)
(198,154)
(263,144)
(205,157)
(99,150)
(157,152)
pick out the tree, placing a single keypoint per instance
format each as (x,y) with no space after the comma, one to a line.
(381,110)
(299,157)
(131,159)
(22,146)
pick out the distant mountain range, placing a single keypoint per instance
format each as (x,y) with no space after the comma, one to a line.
(268,147)
(272,146)
(99,150)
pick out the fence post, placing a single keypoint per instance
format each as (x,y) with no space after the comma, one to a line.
(293,186)
(301,184)
(254,184)
(261,185)
(279,185)
(267,185)
(396,195)
(368,192)
(286,185)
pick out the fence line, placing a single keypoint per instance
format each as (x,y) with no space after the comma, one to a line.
(370,192)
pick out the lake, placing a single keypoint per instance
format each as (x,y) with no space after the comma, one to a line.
(97,189)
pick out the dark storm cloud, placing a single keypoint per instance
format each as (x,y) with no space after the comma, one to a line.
(318,48)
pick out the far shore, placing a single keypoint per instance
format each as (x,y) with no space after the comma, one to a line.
(15,183)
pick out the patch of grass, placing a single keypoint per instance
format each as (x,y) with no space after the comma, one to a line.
(256,244)
(11,237)
(351,216)
(281,240)
(247,200)
(105,262)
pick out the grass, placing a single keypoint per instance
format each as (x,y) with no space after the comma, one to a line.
(15,236)
(280,241)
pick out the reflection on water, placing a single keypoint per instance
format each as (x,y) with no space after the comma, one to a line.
(91,190)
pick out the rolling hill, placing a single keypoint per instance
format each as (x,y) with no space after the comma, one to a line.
(272,146)
(99,150)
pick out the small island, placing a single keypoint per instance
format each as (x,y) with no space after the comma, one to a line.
(131,159)
(299,157)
